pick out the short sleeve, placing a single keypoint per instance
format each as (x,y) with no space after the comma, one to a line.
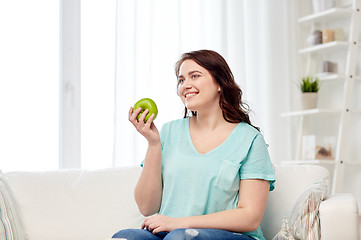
(257,164)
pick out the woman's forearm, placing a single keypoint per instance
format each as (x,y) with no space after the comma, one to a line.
(235,220)
(148,191)
(253,194)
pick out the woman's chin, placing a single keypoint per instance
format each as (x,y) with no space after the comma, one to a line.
(190,107)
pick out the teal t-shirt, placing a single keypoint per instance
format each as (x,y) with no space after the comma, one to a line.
(198,184)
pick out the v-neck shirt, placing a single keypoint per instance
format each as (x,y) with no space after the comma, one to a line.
(191,140)
(198,184)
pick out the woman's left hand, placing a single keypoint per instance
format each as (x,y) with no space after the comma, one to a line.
(160,223)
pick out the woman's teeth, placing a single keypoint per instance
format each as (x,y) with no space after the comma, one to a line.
(190,94)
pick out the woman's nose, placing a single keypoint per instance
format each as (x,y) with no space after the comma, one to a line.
(187,84)
(183,87)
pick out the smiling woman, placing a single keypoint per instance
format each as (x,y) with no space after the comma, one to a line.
(205,175)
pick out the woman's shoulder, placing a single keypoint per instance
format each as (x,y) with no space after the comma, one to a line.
(245,128)
(251,135)
(176,123)
(174,126)
(172,129)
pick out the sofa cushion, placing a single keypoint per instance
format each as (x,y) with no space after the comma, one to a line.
(303,221)
(11,227)
(291,182)
(76,204)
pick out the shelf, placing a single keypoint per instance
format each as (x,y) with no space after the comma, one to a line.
(324,47)
(333,13)
(333,76)
(356,111)
(311,112)
(319,161)
(353,163)
(316,111)
(330,76)
(300,162)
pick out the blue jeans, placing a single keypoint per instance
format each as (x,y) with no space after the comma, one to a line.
(181,234)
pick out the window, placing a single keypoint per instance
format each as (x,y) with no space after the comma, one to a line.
(29,85)
(97,82)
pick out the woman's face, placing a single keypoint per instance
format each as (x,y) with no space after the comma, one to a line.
(196,87)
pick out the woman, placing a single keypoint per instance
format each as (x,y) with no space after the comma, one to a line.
(206,176)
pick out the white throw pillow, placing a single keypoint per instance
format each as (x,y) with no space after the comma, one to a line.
(303,221)
(11,227)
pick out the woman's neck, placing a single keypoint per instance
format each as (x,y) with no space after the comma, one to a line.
(210,120)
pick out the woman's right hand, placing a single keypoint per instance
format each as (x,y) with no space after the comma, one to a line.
(148,129)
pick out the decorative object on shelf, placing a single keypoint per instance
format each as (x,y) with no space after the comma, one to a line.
(338,34)
(315,38)
(308,147)
(328,36)
(309,88)
(324,152)
(325,36)
(318,147)
(309,100)
(321,5)
(325,146)
(329,67)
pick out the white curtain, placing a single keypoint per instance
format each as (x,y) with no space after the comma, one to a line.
(151,36)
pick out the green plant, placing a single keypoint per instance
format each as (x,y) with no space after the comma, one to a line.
(310,84)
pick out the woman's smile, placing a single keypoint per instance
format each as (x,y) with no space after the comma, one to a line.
(189,95)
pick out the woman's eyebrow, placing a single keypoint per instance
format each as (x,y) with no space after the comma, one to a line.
(190,73)
(194,71)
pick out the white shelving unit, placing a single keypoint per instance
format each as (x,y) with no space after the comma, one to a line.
(345,79)
(327,15)
(335,45)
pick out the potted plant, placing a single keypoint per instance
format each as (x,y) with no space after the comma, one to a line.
(309,88)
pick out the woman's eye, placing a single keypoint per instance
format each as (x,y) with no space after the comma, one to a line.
(180,81)
(195,76)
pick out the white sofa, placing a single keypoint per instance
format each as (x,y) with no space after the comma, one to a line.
(93,205)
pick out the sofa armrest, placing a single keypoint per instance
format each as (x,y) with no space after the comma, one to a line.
(339,217)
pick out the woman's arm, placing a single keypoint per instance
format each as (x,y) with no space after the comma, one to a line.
(246,217)
(148,191)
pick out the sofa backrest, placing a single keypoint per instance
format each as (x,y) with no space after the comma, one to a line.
(76,204)
(93,205)
(291,182)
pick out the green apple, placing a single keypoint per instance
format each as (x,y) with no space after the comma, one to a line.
(146,103)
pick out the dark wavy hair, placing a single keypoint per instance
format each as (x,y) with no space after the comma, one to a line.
(230,101)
